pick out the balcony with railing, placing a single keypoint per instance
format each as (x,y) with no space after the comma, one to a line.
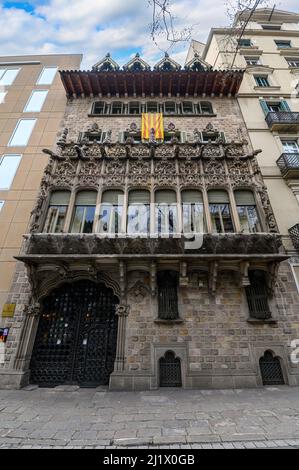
(294,234)
(283,120)
(288,164)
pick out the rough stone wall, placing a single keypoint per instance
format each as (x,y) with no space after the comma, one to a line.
(228,118)
(215,328)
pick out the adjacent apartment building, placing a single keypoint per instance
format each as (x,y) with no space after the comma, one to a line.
(267,47)
(153,257)
(32,104)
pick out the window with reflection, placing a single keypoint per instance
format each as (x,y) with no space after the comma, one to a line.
(220,212)
(117,107)
(170,107)
(248,215)
(205,107)
(187,107)
(138,212)
(57,210)
(193,212)
(134,107)
(84,212)
(165,212)
(100,107)
(111,211)
(152,107)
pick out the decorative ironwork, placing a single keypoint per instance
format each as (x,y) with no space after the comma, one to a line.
(280,118)
(76,337)
(289,164)
(167,295)
(170,370)
(294,234)
(271,369)
(257,295)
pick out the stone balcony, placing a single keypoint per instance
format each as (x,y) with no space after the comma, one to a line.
(121,246)
(294,234)
(283,121)
(288,164)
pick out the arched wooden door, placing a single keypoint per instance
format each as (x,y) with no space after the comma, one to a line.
(76,337)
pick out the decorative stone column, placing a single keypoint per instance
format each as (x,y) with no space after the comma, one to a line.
(26,343)
(122,311)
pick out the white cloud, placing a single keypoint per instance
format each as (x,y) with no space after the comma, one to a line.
(94,27)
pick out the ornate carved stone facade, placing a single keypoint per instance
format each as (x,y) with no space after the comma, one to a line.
(216,332)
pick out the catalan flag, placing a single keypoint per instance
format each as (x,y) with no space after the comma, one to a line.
(152,121)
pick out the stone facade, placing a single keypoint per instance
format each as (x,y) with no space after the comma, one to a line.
(216,336)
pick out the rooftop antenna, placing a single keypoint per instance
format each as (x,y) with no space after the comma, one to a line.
(272,12)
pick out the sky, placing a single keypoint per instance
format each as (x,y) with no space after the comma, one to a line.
(95,27)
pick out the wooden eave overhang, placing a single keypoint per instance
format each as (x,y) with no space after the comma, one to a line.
(120,83)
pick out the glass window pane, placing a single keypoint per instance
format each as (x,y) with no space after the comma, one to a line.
(1,205)
(248,219)
(55,219)
(47,76)
(221,218)
(22,132)
(2,96)
(8,77)
(36,101)
(110,218)
(8,167)
(83,219)
(193,218)
(138,218)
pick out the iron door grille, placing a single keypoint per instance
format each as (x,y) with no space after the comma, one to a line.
(271,370)
(170,371)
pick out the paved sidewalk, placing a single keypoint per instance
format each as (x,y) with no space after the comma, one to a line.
(167,418)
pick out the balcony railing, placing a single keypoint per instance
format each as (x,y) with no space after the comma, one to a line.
(282,120)
(289,164)
(294,234)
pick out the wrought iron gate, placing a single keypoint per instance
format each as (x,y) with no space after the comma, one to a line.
(271,369)
(170,370)
(76,336)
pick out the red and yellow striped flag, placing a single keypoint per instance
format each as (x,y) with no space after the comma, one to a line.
(152,121)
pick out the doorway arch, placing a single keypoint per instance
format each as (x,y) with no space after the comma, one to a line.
(76,336)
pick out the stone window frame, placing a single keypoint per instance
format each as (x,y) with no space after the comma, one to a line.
(271,302)
(278,350)
(152,191)
(158,351)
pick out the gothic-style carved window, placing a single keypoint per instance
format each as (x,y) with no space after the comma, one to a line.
(193,212)
(84,211)
(165,212)
(116,107)
(246,208)
(152,107)
(134,107)
(205,107)
(207,137)
(139,212)
(167,282)
(57,210)
(170,370)
(187,107)
(100,107)
(111,212)
(170,107)
(257,295)
(220,212)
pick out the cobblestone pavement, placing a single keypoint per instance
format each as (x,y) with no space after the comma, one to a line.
(167,418)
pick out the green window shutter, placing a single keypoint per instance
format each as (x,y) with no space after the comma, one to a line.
(60,198)
(165,196)
(113,197)
(191,196)
(86,198)
(284,106)
(218,197)
(244,198)
(264,107)
(139,197)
